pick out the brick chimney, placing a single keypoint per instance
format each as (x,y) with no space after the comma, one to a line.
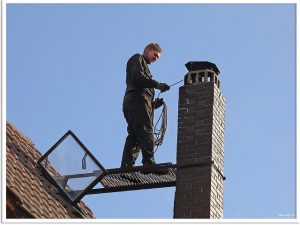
(200,144)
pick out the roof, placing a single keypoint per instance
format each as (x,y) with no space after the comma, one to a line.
(26,182)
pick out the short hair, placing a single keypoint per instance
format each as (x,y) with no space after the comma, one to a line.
(153,46)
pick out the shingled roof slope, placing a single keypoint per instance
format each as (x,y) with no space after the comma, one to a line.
(26,181)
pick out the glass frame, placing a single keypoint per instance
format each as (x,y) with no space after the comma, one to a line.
(53,181)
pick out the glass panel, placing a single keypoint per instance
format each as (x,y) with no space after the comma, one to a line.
(71,167)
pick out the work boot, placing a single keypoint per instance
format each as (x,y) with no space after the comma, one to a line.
(149,163)
(150,167)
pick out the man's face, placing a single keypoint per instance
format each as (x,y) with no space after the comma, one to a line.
(151,55)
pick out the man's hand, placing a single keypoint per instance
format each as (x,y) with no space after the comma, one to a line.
(158,103)
(162,87)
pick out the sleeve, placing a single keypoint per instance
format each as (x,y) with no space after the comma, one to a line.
(138,75)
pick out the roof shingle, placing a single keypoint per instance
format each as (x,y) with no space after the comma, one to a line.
(23,177)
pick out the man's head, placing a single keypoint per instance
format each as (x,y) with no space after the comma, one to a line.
(152,52)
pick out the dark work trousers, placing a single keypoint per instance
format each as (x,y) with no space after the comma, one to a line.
(140,133)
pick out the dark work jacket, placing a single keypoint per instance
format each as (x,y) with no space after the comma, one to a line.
(140,85)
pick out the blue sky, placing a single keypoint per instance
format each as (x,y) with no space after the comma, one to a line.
(66,70)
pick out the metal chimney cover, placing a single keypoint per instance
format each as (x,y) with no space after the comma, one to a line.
(201,65)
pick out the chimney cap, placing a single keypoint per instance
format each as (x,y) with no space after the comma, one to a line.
(201,65)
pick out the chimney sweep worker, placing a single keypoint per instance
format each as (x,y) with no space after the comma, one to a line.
(139,104)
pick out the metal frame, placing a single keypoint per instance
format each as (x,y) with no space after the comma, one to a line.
(89,187)
(151,185)
(132,188)
(202,164)
(155,169)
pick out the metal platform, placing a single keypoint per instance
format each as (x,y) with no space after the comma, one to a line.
(136,178)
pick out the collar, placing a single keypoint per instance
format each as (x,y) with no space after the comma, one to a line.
(145,59)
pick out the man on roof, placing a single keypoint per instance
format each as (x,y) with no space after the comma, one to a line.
(139,105)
